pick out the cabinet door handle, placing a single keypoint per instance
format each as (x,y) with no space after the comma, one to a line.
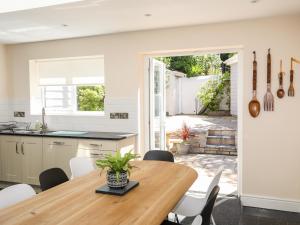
(95,154)
(17,148)
(96,145)
(58,142)
(22,148)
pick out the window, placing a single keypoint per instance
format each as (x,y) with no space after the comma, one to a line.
(67,85)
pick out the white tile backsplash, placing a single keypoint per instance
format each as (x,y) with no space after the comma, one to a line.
(84,123)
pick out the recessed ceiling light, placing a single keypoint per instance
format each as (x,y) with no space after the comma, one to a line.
(64,25)
(147,14)
(254,1)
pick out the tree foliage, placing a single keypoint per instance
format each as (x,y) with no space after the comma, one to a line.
(194,65)
(90,98)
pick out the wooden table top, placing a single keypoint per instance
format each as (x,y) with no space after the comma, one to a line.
(162,184)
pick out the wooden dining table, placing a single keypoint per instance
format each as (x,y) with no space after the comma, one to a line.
(161,186)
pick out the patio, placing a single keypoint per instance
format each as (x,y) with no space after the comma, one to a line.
(206,166)
(174,123)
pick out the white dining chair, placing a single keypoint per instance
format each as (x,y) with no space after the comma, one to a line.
(197,220)
(14,194)
(193,206)
(81,166)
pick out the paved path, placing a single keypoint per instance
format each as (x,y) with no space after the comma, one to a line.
(174,123)
(206,167)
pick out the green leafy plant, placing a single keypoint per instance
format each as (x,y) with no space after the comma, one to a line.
(117,163)
(212,93)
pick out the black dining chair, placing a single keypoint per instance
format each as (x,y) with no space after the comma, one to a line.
(207,210)
(209,206)
(159,155)
(52,177)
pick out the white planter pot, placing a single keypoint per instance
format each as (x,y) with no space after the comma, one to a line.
(183,148)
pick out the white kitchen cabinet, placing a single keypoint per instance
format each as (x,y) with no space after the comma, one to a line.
(21,159)
(99,148)
(11,159)
(32,159)
(57,152)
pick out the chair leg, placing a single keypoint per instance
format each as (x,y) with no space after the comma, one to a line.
(176,218)
(213,220)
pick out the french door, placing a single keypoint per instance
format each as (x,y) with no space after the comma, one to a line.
(157,76)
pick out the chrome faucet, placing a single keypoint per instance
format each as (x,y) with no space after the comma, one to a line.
(44,125)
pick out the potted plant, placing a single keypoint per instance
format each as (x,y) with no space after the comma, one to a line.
(118,168)
(185,135)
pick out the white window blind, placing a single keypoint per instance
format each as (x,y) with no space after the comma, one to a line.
(71,71)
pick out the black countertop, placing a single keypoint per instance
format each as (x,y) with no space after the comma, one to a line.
(84,135)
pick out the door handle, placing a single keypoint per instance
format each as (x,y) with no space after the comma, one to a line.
(22,148)
(58,143)
(96,145)
(17,148)
(95,154)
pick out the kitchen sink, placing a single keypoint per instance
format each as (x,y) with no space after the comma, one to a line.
(66,133)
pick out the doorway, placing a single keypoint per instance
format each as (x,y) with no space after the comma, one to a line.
(161,116)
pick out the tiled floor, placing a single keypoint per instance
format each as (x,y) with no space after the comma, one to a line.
(228,210)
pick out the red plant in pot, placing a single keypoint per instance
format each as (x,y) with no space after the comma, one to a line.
(185,132)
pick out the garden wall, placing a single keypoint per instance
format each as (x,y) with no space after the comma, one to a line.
(182,92)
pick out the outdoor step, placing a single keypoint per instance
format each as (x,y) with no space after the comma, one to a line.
(221,132)
(220,140)
(221,149)
(228,147)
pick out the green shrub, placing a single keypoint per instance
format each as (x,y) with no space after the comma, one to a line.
(212,93)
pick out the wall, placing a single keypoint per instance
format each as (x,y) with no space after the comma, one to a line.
(268,145)
(233,63)
(5,111)
(233,89)
(189,90)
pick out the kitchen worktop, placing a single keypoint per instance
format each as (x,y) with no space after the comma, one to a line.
(72,134)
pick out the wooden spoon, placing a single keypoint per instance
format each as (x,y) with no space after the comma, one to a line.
(280,91)
(254,105)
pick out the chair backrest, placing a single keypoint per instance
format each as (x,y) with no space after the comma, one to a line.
(14,194)
(215,181)
(81,166)
(209,206)
(159,155)
(52,177)
(197,220)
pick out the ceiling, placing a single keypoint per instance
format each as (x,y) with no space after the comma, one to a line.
(95,17)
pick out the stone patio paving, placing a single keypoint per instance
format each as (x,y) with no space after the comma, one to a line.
(174,123)
(206,167)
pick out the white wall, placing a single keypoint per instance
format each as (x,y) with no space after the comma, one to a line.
(5,110)
(171,93)
(234,89)
(270,147)
(189,90)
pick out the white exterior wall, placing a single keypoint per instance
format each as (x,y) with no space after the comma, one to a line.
(233,88)
(172,92)
(189,89)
